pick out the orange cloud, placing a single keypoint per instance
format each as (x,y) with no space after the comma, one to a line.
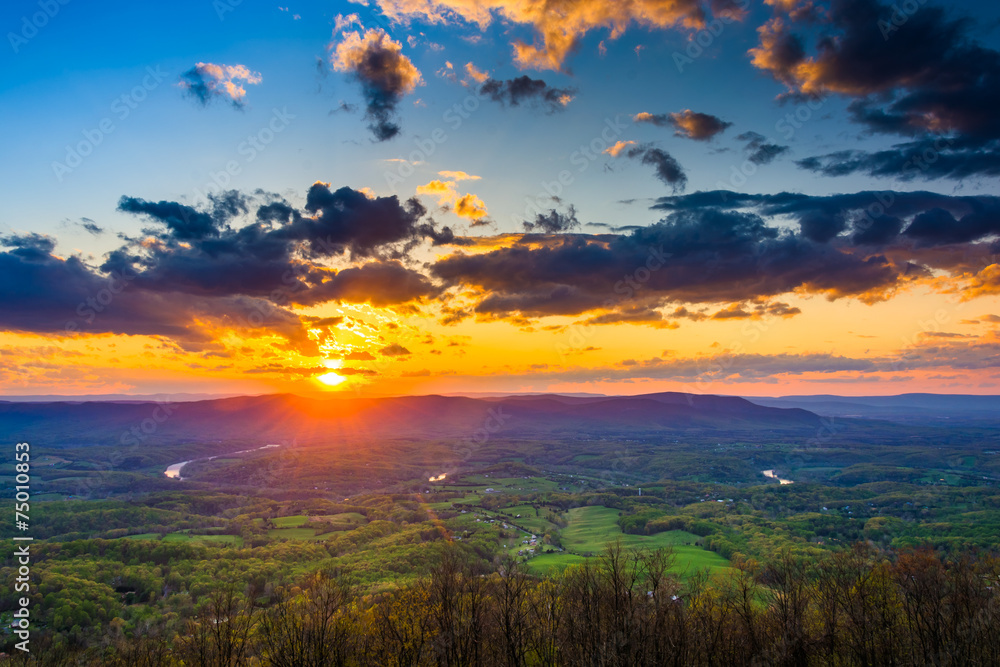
(558,24)
(985,282)
(438,188)
(475,74)
(447,72)
(796,9)
(698,126)
(776,53)
(351,55)
(459,176)
(615,151)
(467,206)
(471,208)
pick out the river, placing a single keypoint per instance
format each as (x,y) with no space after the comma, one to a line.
(174,471)
(770,474)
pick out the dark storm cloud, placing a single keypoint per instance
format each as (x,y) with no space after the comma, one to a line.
(715,247)
(348,219)
(275,251)
(667,168)
(196,268)
(874,217)
(525,90)
(937,226)
(44,293)
(32,247)
(759,150)
(878,231)
(553,222)
(917,74)
(702,256)
(378,283)
(377,62)
(185,222)
(925,159)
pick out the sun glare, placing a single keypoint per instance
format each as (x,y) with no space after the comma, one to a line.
(330,379)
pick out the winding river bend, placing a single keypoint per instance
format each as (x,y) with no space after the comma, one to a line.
(174,471)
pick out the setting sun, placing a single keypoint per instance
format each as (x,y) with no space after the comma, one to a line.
(330,379)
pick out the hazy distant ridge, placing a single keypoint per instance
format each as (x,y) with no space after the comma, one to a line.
(902,407)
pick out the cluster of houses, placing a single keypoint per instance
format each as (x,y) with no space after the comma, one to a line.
(531,543)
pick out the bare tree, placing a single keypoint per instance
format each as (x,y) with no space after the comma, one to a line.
(220,635)
(509,617)
(310,629)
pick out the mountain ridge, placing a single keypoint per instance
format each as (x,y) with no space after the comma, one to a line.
(289,415)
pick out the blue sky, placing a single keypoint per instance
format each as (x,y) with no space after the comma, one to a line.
(65,80)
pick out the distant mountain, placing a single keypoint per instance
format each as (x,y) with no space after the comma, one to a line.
(281,417)
(117,398)
(908,408)
(664,409)
(529,394)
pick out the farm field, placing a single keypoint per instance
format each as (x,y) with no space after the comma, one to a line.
(591,528)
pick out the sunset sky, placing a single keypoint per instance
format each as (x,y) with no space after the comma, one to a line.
(444,196)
